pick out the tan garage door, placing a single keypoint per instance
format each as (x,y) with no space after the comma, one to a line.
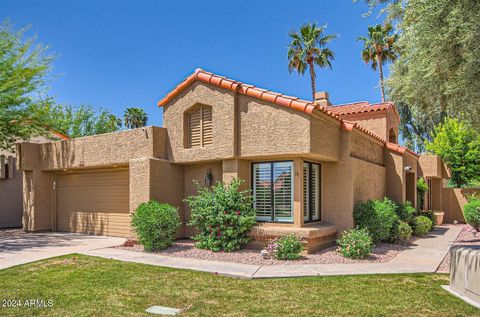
(94,202)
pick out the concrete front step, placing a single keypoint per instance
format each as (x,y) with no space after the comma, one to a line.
(316,236)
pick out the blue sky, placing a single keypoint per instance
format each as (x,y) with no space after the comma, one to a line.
(117,54)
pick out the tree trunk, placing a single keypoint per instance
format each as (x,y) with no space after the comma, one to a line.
(312,78)
(380,71)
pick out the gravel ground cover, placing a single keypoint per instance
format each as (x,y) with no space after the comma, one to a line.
(467,238)
(185,248)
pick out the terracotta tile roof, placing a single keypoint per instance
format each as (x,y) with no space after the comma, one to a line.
(363,107)
(286,101)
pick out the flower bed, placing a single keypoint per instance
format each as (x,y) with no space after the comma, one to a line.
(185,248)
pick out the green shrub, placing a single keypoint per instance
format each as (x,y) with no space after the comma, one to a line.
(405,211)
(471,212)
(155,225)
(430,214)
(421,225)
(286,247)
(422,188)
(355,243)
(378,217)
(223,215)
(401,232)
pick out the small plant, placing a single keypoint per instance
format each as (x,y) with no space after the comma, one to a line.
(378,217)
(286,247)
(405,211)
(430,214)
(223,215)
(355,243)
(421,225)
(156,225)
(471,212)
(401,233)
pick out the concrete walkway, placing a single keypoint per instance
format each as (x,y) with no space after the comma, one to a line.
(18,247)
(424,257)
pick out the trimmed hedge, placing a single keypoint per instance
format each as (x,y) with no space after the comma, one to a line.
(401,233)
(155,225)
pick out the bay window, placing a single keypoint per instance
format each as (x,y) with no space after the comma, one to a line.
(273,191)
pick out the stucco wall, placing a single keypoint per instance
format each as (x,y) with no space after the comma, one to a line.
(38,202)
(375,122)
(369,181)
(222,103)
(395,188)
(367,149)
(11,206)
(337,196)
(453,201)
(94,151)
(324,139)
(268,129)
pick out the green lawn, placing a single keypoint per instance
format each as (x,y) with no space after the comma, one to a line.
(90,286)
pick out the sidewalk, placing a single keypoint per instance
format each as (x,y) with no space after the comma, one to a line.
(424,257)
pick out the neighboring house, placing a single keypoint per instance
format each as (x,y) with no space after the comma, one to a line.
(307,163)
(11,206)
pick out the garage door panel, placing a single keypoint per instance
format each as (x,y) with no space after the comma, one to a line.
(94,202)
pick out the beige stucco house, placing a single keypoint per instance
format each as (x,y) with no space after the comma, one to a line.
(307,163)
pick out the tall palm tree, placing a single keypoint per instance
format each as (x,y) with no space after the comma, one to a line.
(307,49)
(135,118)
(378,49)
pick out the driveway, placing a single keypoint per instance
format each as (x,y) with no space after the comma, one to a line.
(18,247)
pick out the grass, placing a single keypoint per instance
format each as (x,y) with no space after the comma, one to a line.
(90,286)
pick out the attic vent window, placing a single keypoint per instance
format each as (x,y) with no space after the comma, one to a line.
(199,126)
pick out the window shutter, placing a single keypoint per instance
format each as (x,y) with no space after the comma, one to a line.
(315,191)
(306,189)
(195,129)
(262,191)
(283,191)
(207,125)
(200,127)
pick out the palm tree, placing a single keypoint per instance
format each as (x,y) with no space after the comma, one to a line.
(307,49)
(378,49)
(135,118)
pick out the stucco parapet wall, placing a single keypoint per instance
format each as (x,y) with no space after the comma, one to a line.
(432,166)
(109,149)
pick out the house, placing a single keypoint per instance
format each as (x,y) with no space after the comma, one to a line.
(308,163)
(11,192)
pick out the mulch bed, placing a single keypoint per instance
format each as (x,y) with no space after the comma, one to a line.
(185,248)
(467,238)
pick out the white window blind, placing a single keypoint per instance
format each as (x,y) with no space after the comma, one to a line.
(273,191)
(200,127)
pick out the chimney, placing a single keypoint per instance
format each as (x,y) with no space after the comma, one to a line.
(321,99)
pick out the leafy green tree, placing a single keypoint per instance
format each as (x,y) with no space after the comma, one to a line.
(23,68)
(135,118)
(75,121)
(307,49)
(436,74)
(378,49)
(459,146)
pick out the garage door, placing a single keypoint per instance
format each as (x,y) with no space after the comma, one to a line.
(94,202)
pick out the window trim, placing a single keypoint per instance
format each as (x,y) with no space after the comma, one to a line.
(310,201)
(272,203)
